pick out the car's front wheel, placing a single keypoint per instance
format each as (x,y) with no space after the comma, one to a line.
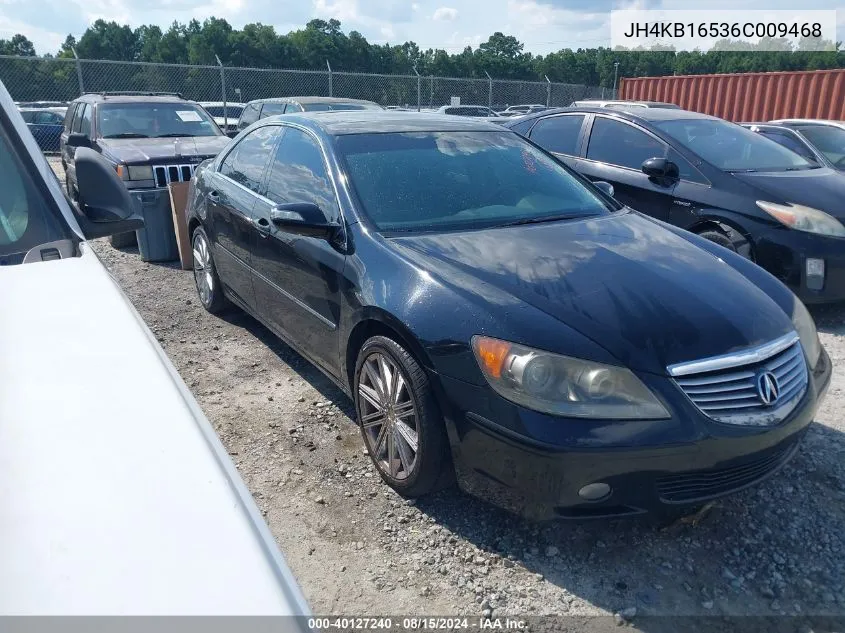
(719,238)
(399,419)
(209,288)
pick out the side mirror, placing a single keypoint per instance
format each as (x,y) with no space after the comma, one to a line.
(104,203)
(77,139)
(661,169)
(303,218)
(606,187)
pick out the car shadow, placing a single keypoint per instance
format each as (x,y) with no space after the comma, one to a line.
(830,318)
(293,359)
(755,553)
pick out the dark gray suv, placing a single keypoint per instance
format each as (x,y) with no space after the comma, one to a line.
(152,139)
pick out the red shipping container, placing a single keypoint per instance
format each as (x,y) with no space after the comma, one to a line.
(811,94)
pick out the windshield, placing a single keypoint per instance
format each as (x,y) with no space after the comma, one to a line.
(154,120)
(440,181)
(321,107)
(829,140)
(232,112)
(732,147)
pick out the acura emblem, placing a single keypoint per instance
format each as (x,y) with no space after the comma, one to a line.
(768,388)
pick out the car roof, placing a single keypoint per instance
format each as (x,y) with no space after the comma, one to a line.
(105,97)
(236,104)
(340,123)
(307,100)
(634,114)
(829,122)
(49,109)
(464,105)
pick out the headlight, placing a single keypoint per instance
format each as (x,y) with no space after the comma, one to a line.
(562,385)
(802,218)
(135,172)
(806,328)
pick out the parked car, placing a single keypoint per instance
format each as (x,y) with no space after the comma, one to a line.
(519,110)
(150,139)
(118,497)
(469,110)
(716,179)
(496,317)
(621,104)
(816,140)
(261,108)
(46,126)
(225,115)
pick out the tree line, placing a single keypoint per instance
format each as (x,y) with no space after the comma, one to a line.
(502,56)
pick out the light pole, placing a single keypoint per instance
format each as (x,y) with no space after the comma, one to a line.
(615,75)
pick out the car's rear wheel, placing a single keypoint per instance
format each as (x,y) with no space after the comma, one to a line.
(719,238)
(209,288)
(399,419)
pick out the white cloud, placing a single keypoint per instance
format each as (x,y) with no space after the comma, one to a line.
(445,14)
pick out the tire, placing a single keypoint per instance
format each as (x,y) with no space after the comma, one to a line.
(719,238)
(209,288)
(411,404)
(123,240)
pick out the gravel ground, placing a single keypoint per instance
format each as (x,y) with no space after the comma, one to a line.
(359,549)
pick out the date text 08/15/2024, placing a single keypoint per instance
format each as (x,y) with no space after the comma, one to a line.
(415,624)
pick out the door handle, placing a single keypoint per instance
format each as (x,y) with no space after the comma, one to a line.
(214,196)
(263,226)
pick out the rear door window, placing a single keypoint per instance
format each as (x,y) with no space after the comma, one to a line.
(559,133)
(246,163)
(618,143)
(272,109)
(85,124)
(790,142)
(77,117)
(249,115)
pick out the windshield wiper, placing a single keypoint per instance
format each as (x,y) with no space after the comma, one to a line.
(175,135)
(546,218)
(126,135)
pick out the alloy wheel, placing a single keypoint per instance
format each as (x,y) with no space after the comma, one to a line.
(388,416)
(202,269)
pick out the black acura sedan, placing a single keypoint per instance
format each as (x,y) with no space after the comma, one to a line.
(714,178)
(498,318)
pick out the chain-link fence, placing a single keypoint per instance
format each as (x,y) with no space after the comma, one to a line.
(50,79)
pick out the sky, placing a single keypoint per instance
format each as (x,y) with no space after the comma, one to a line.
(542,25)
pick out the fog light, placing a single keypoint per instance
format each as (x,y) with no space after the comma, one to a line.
(815,273)
(594,492)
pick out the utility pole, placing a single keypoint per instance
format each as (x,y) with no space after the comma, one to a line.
(615,75)
(223,89)
(419,96)
(78,72)
(489,90)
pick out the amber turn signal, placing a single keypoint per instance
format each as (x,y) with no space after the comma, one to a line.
(492,354)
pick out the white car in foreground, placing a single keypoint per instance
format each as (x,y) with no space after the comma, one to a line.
(116,496)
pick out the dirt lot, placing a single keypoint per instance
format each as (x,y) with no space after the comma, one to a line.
(359,549)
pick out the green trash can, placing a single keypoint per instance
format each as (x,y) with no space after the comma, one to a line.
(157,240)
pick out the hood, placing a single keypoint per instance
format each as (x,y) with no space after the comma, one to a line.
(647,295)
(101,444)
(147,150)
(821,188)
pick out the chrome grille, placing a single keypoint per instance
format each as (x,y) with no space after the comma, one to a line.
(165,174)
(728,388)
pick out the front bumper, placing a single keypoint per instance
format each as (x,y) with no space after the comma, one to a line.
(784,253)
(649,466)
